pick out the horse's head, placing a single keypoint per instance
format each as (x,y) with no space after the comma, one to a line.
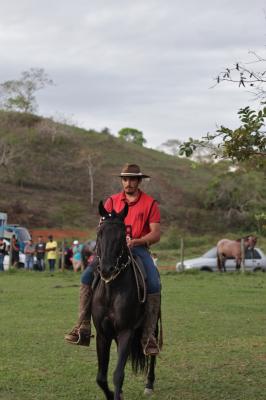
(111,241)
(251,241)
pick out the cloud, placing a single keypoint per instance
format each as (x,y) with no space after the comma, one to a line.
(149,65)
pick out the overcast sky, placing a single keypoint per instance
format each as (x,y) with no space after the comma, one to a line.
(145,64)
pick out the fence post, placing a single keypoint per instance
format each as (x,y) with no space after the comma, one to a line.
(10,257)
(242,248)
(182,253)
(63,255)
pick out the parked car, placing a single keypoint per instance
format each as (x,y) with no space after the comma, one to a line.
(22,234)
(21,262)
(254,261)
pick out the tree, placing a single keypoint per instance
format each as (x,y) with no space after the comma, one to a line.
(7,154)
(245,76)
(132,135)
(91,170)
(91,160)
(201,154)
(19,95)
(246,143)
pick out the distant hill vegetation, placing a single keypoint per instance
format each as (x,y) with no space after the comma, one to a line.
(53,175)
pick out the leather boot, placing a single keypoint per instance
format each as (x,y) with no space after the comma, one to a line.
(81,332)
(152,311)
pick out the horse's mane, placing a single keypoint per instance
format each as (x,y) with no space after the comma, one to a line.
(244,237)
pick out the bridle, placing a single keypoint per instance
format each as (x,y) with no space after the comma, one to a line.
(250,241)
(119,266)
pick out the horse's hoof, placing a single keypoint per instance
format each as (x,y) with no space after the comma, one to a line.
(148,392)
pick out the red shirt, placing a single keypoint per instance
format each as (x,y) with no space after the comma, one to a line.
(141,212)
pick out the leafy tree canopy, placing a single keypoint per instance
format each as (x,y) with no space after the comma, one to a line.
(19,94)
(248,141)
(132,135)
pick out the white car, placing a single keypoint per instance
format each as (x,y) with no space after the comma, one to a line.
(254,261)
(21,261)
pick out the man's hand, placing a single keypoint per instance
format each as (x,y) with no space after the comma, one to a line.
(152,237)
(130,242)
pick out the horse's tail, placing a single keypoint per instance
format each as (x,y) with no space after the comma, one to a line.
(139,362)
(219,265)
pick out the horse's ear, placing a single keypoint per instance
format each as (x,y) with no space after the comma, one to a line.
(123,213)
(102,210)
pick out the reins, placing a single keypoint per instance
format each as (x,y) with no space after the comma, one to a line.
(136,268)
(117,270)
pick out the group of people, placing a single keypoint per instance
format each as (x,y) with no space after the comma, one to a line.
(42,252)
(35,253)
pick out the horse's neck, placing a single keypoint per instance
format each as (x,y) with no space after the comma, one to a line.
(122,284)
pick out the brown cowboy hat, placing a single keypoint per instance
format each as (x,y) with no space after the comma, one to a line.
(132,170)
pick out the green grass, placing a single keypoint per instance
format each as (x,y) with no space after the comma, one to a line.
(214,333)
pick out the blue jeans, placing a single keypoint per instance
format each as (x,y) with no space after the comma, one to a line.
(153,277)
(51,264)
(40,264)
(2,262)
(28,261)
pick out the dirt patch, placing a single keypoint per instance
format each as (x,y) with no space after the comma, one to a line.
(60,234)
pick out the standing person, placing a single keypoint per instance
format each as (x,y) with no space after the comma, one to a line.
(67,259)
(40,253)
(51,248)
(29,251)
(14,251)
(143,225)
(76,259)
(2,253)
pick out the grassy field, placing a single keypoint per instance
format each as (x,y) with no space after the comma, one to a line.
(214,331)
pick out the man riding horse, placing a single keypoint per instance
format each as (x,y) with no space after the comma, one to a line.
(143,227)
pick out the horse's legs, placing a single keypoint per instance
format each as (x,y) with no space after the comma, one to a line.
(103,354)
(218,262)
(124,340)
(150,376)
(238,264)
(221,262)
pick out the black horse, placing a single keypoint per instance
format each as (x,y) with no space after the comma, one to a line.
(117,309)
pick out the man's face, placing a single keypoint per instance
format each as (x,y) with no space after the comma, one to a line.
(130,185)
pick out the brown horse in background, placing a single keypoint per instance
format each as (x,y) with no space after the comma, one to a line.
(232,249)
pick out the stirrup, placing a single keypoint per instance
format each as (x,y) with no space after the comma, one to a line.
(151,348)
(79,337)
(84,338)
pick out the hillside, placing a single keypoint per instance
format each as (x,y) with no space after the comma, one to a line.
(45,180)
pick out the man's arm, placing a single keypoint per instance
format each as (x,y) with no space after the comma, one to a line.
(152,237)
